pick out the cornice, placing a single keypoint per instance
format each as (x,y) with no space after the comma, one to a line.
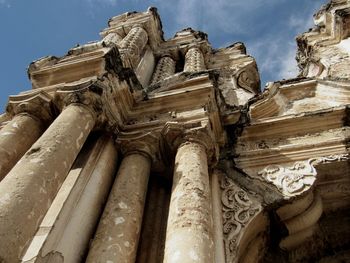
(317,50)
(302,97)
(70,68)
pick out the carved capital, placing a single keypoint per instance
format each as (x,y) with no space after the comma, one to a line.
(146,143)
(298,178)
(86,94)
(175,134)
(38,105)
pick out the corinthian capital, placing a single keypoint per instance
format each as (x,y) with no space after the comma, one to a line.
(87,94)
(175,134)
(36,104)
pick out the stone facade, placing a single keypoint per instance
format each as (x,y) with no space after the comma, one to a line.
(137,149)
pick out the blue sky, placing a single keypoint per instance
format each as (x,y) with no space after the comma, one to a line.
(31,29)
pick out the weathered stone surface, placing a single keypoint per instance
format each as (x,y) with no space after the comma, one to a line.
(16,137)
(189,232)
(72,218)
(270,170)
(29,189)
(119,229)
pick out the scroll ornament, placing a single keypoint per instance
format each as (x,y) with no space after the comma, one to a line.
(298,178)
(238,211)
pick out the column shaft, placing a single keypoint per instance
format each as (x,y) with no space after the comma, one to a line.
(118,232)
(194,60)
(132,45)
(16,137)
(165,68)
(70,222)
(27,191)
(189,230)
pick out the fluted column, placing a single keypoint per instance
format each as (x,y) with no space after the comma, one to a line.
(19,134)
(118,232)
(189,229)
(165,68)
(132,45)
(194,60)
(27,191)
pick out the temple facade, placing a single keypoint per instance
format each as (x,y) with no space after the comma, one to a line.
(138,149)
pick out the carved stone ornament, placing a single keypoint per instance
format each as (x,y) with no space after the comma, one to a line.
(238,210)
(297,179)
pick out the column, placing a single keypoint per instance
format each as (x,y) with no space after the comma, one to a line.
(16,137)
(165,68)
(112,38)
(194,60)
(189,230)
(70,222)
(132,45)
(118,232)
(27,191)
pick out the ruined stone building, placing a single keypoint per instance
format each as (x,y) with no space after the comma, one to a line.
(139,149)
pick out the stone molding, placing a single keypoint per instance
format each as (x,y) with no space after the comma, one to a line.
(320,51)
(298,178)
(37,104)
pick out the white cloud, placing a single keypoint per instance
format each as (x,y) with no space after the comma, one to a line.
(275,57)
(225,15)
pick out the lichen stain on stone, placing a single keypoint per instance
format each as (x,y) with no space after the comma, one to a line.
(119,220)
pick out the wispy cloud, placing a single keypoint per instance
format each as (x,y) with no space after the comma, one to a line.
(225,15)
(269,38)
(5,3)
(275,53)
